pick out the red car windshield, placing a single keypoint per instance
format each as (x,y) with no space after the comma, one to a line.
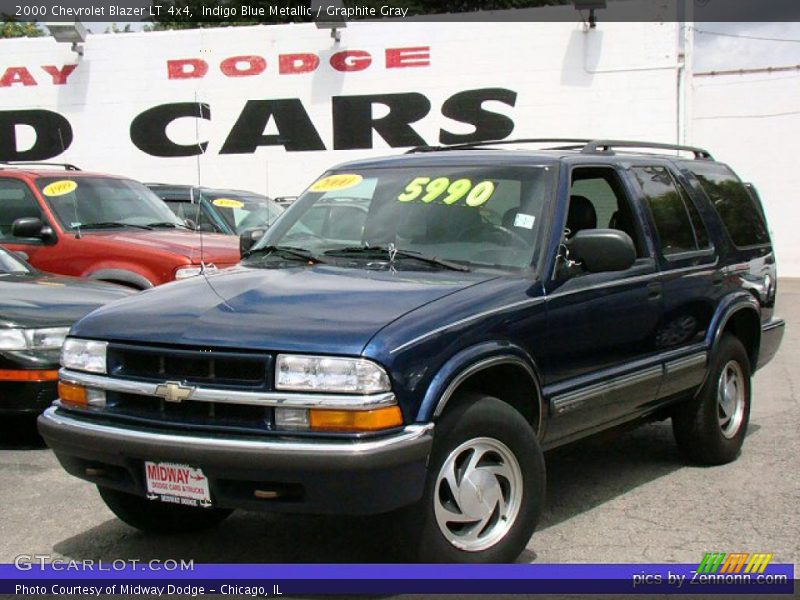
(87,202)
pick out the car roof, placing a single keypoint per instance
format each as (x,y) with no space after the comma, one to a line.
(494,152)
(46,171)
(180,192)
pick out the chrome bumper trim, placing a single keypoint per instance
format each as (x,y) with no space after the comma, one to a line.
(773,323)
(203,394)
(409,434)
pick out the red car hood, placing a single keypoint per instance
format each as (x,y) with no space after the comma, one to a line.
(216,248)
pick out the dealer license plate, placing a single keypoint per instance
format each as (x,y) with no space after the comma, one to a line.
(177,484)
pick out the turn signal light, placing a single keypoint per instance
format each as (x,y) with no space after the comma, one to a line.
(69,393)
(355,420)
(28,375)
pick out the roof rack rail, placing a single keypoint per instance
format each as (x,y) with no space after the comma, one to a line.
(16,163)
(471,145)
(585,146)
(605,147)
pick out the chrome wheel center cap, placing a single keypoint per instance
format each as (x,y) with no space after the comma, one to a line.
(478,494)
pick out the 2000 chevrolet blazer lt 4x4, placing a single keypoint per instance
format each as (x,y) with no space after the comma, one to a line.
(419,354)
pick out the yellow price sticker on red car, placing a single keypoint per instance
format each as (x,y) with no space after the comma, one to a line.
(227,203)
(427,190)
(59,188)
(333,183)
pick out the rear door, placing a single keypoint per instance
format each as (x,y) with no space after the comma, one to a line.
(689,275)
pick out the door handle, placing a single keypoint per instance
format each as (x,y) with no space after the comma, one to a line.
(654,290)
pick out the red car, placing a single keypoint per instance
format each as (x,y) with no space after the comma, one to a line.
(102,227)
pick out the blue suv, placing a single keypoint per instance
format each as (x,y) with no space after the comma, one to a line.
(467,309)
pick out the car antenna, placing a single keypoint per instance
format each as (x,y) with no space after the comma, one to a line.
(200,196)
(78,234)
(191,190)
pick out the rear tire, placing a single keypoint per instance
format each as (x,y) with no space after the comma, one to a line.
(485,488)
(158,517)
(710,429)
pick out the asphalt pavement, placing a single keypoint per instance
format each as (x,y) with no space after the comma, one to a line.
(622,497)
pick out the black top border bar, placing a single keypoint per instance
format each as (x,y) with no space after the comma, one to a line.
(185,13)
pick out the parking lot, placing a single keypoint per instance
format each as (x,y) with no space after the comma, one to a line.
(626,497)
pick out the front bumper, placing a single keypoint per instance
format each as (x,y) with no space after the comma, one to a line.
(26,397)
(321,476)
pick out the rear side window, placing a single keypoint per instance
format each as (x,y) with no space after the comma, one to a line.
(733,203)
(680,228)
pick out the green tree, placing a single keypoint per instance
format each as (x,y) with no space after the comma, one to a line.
(15,29)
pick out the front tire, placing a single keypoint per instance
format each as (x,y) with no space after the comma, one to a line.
(710,429)
(485,487)
(159,517)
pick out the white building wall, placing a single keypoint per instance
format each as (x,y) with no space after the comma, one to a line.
(752,122)
(568,82)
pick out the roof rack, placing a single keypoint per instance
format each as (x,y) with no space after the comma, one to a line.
(19,163)
(471,145)
(605,147)
(585,146)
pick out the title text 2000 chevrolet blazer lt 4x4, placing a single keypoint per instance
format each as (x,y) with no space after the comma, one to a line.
(415,330)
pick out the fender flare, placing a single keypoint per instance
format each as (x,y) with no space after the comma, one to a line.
(727,309)
(470,361)
(122,275)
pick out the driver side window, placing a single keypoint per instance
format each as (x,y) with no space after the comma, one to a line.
(16,202)
(598,200)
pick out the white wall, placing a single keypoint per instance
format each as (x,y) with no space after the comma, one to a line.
(568,83)
(752,122)
(620,80)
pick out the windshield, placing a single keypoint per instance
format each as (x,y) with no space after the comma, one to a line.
(11,264)
(483,216)
(242,210)
(86,201)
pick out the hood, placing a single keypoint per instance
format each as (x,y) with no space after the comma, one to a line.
(40,300)
(216,248)
(320,309)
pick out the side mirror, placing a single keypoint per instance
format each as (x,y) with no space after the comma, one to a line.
(249,238)
(32,227)
(602,250)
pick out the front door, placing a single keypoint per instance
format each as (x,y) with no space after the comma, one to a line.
(601,354)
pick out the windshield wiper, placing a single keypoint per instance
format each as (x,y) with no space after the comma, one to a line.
(169,224)
(286,252)
(110,225)
(393,253)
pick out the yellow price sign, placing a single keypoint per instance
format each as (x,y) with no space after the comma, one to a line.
(427,190)
(59,188)
(333,183)
(227,203)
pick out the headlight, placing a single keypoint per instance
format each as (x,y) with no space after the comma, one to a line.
(194,271)
(84,355)
(327,374)
(50,338)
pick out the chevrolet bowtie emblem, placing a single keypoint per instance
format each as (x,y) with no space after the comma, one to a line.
(173,391)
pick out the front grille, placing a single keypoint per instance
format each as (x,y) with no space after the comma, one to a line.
(189,414)
(210,368)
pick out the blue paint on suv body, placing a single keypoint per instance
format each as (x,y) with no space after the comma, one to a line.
(574,351)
